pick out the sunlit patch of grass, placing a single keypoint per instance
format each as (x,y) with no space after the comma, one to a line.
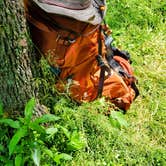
(139,28)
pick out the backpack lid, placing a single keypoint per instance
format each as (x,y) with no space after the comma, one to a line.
(69,4)
(82,10)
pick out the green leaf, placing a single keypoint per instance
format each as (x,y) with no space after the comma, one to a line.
(114,123)
(75,145)
(22,132)
(76,142)
(120,118)
(1,108)
(36,155)
(62,156)
(36,127)
(51,131)
(65,156)
(11,123)
(3,159)
(1,148)
(29,109)
(66,132)
(9,162)
(47,118)
(18,160)
(48,152)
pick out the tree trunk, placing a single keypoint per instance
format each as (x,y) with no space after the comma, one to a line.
(17,65)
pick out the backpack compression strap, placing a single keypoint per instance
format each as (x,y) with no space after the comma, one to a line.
(104,67)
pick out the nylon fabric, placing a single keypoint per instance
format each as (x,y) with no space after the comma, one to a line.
(80,72)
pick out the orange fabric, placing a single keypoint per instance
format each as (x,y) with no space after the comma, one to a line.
(116,90)
(79,69)
(125,64)
(48,39)
(80,63)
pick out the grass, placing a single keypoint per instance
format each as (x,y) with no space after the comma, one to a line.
(139,27)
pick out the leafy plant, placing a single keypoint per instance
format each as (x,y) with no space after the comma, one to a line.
(29,137)
(117,119)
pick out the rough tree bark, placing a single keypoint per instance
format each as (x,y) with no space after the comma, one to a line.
(17,65)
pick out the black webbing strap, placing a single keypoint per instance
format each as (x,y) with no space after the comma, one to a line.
(104,67)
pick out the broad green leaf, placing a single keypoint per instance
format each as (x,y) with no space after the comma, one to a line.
(18,160)
(29,109)
(36,127)
(47,118)
(65,156)
(114,123)
(62,156)
(22,132)
(36,155)
(48,152)
(120,118)
(51,131)
(75,145)
(76,141)
(57,158)
(11,123)
(66,132)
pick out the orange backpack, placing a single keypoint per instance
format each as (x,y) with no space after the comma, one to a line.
(85,64)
